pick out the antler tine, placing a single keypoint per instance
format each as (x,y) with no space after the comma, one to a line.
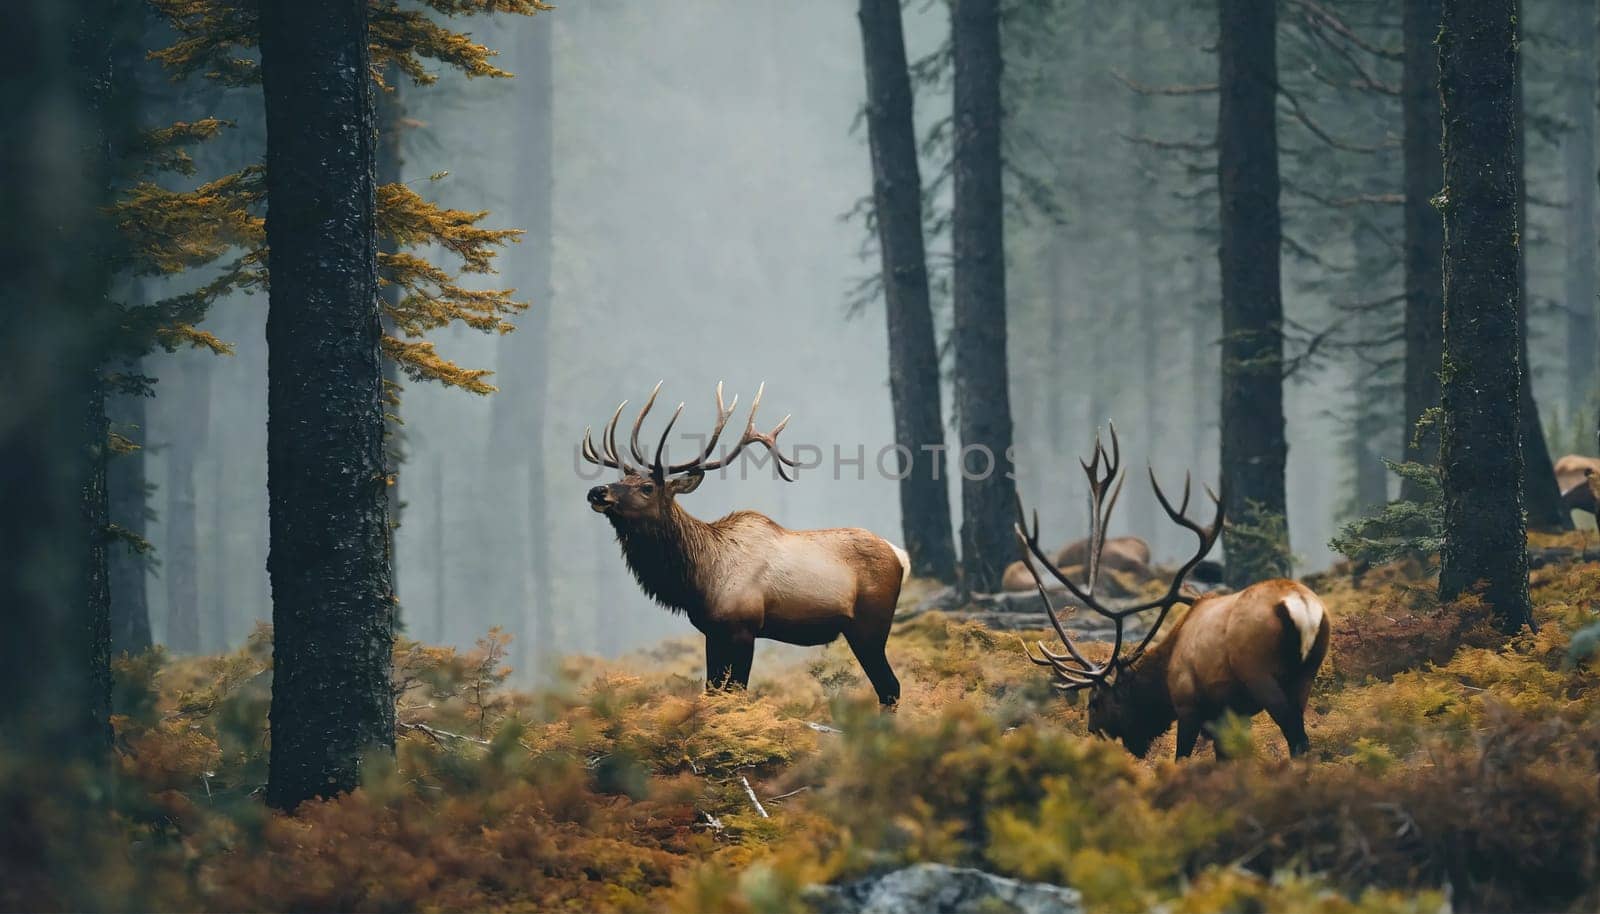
(1099,507)
(1073,678)
(1030,551)
(633,439)
(656,469)
(586,447)
(1207,537)
(723,414)
(751,436)
(609,440)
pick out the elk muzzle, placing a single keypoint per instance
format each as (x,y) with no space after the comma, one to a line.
(600,498)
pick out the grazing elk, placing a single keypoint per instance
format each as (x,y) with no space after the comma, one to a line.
(1572,475)
(1254,650)
(745,577)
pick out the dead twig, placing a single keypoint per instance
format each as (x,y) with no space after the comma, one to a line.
(438,735)
(750,792)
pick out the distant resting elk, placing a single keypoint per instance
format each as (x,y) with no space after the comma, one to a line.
(1128,555)
(1572,476)
(1258,649)
(745,577)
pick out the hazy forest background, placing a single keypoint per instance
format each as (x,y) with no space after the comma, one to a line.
(217,500)
(716,150)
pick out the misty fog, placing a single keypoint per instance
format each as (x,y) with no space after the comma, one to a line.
(706,156)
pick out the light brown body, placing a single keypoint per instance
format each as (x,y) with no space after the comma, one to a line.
(744,576)
(1247,652)
(1572,476)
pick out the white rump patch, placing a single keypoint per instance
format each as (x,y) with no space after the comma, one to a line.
(1307,617)
(905,563)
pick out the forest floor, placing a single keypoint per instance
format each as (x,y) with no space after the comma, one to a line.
(1448,764)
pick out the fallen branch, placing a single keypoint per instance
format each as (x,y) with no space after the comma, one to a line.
(439,735)
(785,796)
(749,792)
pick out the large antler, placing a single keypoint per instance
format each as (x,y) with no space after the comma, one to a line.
(701,463)
(608,441)
(1073,668)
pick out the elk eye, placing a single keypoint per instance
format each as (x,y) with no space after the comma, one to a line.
(648,488)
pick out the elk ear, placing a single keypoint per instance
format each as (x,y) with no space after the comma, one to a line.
(683,485)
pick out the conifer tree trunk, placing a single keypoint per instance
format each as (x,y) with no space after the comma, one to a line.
(125,485)
(983,404)
(1482,460)
(1424,230)
(391,111)
(333,609)
(1578,156)
(1254,449)
(191,394)
(913,350)
(97,512)
(52,285)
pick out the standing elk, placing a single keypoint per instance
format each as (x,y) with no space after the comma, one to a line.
(745,577)
(1245,652)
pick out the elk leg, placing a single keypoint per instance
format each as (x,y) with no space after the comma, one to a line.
(1289,717)
(1188,735)
(719,661)
(875,664)
(741,653)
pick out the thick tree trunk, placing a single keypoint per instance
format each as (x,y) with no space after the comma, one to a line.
(1542,495)
(97,513)
(988,491)
(1424,231)
(191,392)
(333,604)
(391,112)
(1578,157)
(1254,449)
(53,289)
(913,351)
(1482,461)
(129,509)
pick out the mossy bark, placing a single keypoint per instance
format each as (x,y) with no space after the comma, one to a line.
(913,350)
(1254,447)
(1485,533)
(983,403)
(333,607)
(1424,231)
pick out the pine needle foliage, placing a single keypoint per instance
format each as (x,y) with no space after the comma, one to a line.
(220,224)
(1401,529)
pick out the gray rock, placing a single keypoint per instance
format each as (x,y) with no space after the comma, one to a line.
(934,888)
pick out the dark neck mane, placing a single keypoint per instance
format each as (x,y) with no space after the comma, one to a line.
(664,556)
(1145,699)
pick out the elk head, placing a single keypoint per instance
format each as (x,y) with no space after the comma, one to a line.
(648,485)
(1116,704)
